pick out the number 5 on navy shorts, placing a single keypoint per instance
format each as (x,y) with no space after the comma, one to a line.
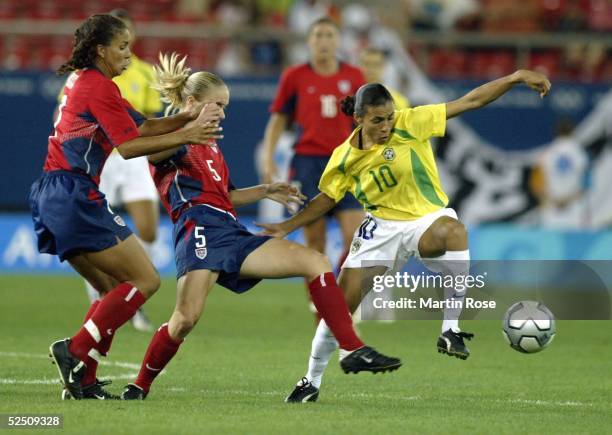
(205,238)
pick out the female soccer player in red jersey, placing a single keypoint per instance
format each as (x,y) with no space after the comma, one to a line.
(309,95)
(71,216)
(211,246)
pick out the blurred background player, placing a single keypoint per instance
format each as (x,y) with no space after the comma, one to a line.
(128,183)
(373,62)
(559,182)
(309,96)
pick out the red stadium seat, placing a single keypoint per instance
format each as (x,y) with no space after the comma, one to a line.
(492,64)
(546,62)
(447,63)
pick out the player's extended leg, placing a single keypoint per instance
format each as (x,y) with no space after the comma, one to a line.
(145,216)
(292,259)
(101,283)
(443,248)
(349,220)
(128,264)
(315,237)
(192,290)
(354,282)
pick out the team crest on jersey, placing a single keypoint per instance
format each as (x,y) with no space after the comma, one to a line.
(201,253)
(388,154)
(344,86)
(119,221)
(355,246)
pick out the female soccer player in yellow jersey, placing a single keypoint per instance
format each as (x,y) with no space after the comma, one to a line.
(387,163)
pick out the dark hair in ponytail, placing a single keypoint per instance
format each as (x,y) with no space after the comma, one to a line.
(97,30)
(372,94)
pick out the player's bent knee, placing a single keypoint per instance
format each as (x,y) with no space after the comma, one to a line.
(316,264)
(184,323)
(149,284)
(456,236)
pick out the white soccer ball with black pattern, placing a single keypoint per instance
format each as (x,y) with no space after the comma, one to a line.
(529,326)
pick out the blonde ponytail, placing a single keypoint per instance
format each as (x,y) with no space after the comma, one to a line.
(171,75)
(175,83)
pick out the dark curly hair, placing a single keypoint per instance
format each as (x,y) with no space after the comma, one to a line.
(97,30)
(372,94)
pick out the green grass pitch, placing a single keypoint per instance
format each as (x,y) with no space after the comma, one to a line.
(233,372)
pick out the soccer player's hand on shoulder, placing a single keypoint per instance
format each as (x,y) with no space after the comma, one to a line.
(535,80)
(285,194)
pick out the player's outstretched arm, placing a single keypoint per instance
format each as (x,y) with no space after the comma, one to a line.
(283,193)
(209,114)
(483,95)
(316,208)
(154,145)
(275,127)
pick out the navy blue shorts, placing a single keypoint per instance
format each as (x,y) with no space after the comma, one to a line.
(307,171)
(72,216)
(205,238)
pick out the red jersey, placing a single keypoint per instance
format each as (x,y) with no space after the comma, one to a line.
(195,175)
(312,101)
(92,119)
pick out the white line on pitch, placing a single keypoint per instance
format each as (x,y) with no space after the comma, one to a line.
(123,364)
(549,403)
(48,381)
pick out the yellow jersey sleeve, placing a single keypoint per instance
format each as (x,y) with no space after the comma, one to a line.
(334,182)
(423,122)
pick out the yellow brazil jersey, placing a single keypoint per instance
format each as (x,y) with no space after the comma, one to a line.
(135,86)
(397,180)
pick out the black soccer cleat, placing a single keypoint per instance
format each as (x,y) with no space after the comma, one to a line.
(71,369)
(367,359)
(451,343)
(133,392)
(94,391)
(303,392)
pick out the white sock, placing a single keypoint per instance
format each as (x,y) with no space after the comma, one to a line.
(92,293)
(323,346)
(453,263)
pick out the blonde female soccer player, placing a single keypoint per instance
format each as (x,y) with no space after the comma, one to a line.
(387,163)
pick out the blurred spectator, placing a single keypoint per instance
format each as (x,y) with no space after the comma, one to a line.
(584,62)
(510,16)
(564,15)
(362,29)
(558,181)
(372,62)
(305,12)
(600,15)
(301,15)
(442,14)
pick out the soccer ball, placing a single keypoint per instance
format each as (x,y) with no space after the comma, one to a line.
(529,326)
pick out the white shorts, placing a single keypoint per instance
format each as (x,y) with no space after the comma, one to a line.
(125,181)
(382,242)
